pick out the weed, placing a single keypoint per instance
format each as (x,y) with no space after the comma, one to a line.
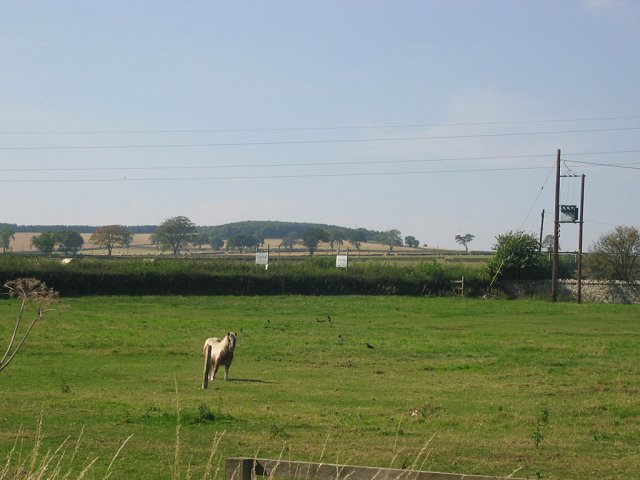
(277,431)
(64,387)
(205,415)
(541,423)
(537,436)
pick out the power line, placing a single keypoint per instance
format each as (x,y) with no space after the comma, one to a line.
(537,196)
(323,163)
(610,152)
(295,129)
(270,177)
(273,165)
(308,142)
(613,165)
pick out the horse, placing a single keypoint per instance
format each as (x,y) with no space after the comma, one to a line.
(221,353)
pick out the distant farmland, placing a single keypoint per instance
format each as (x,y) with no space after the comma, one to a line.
(141,245)
(22,243)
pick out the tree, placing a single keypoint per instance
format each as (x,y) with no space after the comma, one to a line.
(614,256)
(517,257)
(391,238)
(336,236)
(465,240)
(411,241)
(45,242)
(201,238)
(290,240)
(34,295)
(241,241)
(357,237)
(69,241)
(174,234)
(7,233)
(312,237)
(215,241)
(111,235)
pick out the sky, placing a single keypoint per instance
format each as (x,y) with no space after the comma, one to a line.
(435,118)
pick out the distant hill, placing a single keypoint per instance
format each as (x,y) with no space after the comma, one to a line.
(275,229)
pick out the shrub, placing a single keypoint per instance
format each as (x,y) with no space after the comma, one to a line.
(517,257)
(614,256)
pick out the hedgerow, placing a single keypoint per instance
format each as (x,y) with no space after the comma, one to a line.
(314,276)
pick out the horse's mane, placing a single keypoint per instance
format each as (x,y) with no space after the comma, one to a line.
(228,343)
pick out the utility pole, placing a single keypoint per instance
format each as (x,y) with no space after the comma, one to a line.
(569,216)
(556,232)
(579,295)
(541,229)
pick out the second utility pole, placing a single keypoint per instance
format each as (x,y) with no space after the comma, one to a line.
(556,234)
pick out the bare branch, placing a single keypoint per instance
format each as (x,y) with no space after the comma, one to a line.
(32,293)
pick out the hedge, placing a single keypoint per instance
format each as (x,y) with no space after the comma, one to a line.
(90,276)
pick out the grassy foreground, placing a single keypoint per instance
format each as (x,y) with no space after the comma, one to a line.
(470,386)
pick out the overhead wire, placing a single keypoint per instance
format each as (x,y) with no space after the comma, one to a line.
(334,163)
(535,201)
(262,177)
(287,164)
(613,165)
(312,128)
(316,142)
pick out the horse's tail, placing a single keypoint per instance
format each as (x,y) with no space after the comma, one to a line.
(204,349)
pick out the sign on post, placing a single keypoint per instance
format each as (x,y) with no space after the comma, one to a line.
(262,258)
(342,261)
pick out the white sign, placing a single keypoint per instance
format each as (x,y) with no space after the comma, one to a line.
(262,258)
(342,261)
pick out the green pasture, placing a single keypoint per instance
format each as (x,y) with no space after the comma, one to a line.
(456,385)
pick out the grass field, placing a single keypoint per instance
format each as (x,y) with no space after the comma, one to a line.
(478,386)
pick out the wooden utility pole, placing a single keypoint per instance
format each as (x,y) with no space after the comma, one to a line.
(579,294)
(556,234)
(541,228)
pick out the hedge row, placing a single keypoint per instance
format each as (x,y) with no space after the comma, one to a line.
(200,277)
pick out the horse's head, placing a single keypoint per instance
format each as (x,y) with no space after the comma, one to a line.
(231,338)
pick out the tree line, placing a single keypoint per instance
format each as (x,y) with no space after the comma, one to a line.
(518,255)
(178,233)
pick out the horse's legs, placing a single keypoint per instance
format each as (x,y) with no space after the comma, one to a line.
(214,370)
(226,373)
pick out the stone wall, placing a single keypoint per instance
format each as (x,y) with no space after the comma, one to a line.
(593,291)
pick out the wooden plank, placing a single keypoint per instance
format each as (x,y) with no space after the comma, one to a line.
(324,471)
(207,368)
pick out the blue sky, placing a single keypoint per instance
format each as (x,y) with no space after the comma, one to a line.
(435,118)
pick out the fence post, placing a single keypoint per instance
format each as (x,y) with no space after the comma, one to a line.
(460,286)
(238,468)
(207,367)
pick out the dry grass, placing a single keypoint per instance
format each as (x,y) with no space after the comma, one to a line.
(55,464)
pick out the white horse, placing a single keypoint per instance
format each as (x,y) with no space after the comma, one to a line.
(221,353)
